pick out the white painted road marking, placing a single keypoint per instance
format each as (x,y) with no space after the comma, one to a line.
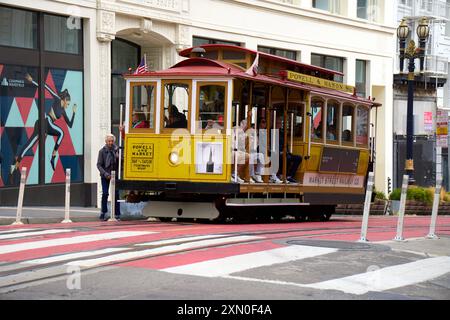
(161,250)
(32,233)
(225,266)
(76,255)
(171,241)
(389,277)
(66,241)
(8,231)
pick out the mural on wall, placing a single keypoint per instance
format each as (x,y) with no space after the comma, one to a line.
(19,101)
(62,125)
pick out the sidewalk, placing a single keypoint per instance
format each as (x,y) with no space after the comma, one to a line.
(33,215)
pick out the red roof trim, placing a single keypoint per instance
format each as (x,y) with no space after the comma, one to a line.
(186,52)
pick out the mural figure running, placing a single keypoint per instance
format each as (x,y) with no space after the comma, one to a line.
(60,103)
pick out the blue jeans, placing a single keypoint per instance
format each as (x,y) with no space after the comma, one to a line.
(105,194)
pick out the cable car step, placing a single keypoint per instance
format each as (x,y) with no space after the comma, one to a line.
(264,202)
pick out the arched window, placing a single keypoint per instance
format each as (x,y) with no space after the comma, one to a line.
(332,121)
(362,125)
(317,110)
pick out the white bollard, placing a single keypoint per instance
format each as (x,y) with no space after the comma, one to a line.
(67,207)
(437,195)
(401,212)
(23,179)
(365,221)
(113,196)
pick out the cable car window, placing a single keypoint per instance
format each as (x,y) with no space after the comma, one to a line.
(316,125)
(142,106)
(362,125)
(332,121)
(211,102)
(347,123)
(176,105)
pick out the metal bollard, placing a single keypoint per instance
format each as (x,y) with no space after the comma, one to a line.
(365,221)
(437,195)
(113,196)
(401,212)
(67,207)
(23,179)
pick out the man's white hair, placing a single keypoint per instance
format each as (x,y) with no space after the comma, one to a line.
(110,135)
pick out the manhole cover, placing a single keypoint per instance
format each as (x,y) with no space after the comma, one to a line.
(341,245)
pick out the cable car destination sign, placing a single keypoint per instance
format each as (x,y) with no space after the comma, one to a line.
(324,83)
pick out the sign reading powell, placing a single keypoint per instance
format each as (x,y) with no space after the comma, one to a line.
(303,78)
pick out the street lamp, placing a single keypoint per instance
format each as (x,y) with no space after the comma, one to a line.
(411,53)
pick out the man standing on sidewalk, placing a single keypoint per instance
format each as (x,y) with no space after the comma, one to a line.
(108,160)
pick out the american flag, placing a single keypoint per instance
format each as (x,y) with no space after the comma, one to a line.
(142,68)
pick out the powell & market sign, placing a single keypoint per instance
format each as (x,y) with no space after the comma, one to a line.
(303,78)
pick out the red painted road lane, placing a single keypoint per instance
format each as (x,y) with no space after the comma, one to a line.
(381,228)
(200,255)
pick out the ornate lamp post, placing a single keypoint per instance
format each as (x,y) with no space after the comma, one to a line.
(411,53)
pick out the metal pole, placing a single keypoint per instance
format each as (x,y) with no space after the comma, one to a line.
(365,221)
(120,140)
(113,196)
(23,179)
(273,130)
(67,207)
(236,145)
(409,164)
(401,213)
(437,195)
(292,133)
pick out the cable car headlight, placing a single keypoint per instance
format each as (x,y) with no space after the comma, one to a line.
(174,158)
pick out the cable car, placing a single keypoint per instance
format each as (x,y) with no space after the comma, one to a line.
(230,132)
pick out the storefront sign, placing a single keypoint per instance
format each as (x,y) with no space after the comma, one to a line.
(442,129)
(333,180)
(428,122)
(324,83)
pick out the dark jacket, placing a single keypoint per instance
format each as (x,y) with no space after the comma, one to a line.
(108,160)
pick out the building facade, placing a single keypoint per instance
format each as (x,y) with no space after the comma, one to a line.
(432,93)
(49,49)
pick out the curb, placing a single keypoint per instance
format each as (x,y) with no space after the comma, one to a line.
(51,220)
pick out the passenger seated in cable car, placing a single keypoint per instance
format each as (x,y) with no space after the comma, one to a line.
(347,135)
(139,121)
(331,133)
(176,118)
(212,124)
(293,161)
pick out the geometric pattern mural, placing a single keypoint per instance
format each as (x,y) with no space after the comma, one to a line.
(69,152)
(20,123)
(19,103)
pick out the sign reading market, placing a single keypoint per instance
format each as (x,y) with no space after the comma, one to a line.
(324,83)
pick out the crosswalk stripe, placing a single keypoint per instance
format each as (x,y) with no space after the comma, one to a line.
(389,277)
(161,250)
(171,241)
(71,240)
(76,255)
(229,265)
(8,231)
(33,233)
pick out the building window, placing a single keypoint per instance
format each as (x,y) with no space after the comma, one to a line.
(332,6)
(279,52)
(41,103)
(124,55)
(61,34)
(361,74)
(198,41)
(368,9)
(18,28)
(329,62)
